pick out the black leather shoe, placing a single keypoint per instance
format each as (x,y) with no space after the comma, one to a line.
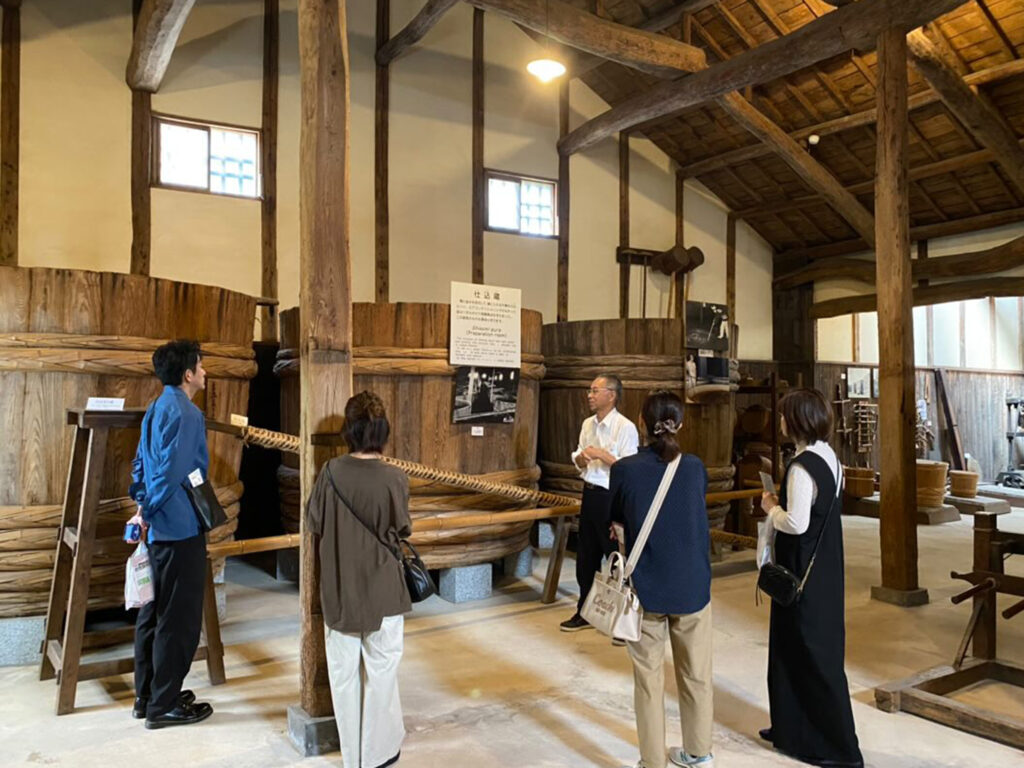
(766,734)
(181,715)
(139,710)
(392,761)
(574,624)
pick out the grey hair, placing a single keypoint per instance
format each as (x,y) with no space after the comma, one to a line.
(614,384)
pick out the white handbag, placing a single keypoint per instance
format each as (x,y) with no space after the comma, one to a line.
(612,606)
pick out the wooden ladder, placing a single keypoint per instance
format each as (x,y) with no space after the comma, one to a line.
(65,634)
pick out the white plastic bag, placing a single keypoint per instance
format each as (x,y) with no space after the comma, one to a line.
(765,542)
(138,578)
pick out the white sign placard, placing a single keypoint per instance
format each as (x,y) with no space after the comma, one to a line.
(485,328)
(105,404)
(476,431)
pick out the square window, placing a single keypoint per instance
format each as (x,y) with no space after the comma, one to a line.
(206,157)
(520,204)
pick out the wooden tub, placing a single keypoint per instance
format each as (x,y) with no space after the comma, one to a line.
(66,335)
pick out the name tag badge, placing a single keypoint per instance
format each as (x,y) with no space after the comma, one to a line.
(196,478)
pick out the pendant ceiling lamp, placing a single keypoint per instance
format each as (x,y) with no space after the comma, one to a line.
(546,68)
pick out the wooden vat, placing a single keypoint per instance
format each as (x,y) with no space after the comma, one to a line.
(647,355)
(931,483)
(66,335)
(860,482)
(963,484)
(401,353)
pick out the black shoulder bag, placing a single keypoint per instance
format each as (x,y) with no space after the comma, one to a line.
(417,577)
(204,501)
(780,583)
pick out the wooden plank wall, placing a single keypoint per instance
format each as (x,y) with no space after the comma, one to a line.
(976,397)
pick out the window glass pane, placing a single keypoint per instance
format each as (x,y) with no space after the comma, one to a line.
(537,208)
(233,162)
(867,324)
(921,336)
(977,334)
(1007,334)
(946,334)
(184,157)
(503,204)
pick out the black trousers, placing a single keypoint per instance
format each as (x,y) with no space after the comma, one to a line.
(167,629)
(594,542)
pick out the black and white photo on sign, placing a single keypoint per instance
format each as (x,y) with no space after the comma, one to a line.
(485,395)
(858,383)
(707,326)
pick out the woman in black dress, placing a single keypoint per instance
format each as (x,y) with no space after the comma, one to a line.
(811,717)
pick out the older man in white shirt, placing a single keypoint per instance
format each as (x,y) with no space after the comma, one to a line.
(605,437)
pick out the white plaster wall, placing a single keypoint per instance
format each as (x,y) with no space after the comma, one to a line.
(75,173)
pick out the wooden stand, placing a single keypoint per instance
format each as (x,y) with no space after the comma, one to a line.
(65,634)
(927,694)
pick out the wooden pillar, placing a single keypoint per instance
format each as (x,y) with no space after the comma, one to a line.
(681,278)
(730,280)
(563,205)
(794,332)
(478,146)
(382,106)
(10,131)
(325,291)
(624,222)
(141,168)
(897,525)
(268,166)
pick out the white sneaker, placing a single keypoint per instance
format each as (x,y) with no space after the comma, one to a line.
(680,757)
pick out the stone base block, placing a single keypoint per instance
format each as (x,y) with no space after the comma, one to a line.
(220,591)
(288,565)
(545,534)
(312,735)
(906,598)
(20,639)
(466,582)
(519,565)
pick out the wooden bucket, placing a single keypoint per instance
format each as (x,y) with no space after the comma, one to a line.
(646,355)
(66,335)
(931,483)
(963,484)
(860,482)
(401,353)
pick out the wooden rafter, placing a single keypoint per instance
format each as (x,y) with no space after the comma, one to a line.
(414,31)
(156,34)
(852,27)
(974,110)
(961,290)
(640,49)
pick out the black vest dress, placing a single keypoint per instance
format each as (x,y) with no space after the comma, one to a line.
(810,699)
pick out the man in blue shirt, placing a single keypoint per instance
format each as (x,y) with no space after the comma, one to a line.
(172,452)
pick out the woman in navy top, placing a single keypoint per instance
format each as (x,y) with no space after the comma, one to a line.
(673,581)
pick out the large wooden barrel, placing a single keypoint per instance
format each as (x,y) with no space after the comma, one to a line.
(66,335)
(647,355)
(401,353)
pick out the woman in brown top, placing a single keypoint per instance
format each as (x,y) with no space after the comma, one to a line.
(359,509)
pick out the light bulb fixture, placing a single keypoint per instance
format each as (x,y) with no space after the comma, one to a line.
(546,69)
(813,139)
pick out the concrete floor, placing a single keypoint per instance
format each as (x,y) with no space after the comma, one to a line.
(494,683)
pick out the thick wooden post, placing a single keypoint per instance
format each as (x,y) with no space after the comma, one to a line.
(478,146)
(563,205)
(10,131)
(681,278)
(142,162)
(730,280)
(381,255)
(268,163)
(897,526)
(325,292)
(624,222)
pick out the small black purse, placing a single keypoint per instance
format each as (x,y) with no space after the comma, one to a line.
(780,583)
(204,501)
(417,577)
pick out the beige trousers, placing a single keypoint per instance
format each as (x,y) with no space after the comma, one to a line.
(690,637)
(363,669)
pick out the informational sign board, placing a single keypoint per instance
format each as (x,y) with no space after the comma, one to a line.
(485,329)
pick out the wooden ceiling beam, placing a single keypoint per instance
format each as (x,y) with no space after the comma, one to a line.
(847,122)
(414,31)
(156,34)
(566,24)
(977,113)
(923,232)
(854,27)
(923,296)
(1001,258)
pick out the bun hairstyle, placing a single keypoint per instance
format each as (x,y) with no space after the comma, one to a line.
(366,427)
(663,416)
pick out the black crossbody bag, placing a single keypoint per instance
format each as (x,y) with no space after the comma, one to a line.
(204,501)
(417,577)
(780,583)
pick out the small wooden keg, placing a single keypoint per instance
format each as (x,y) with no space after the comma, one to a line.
(931,483)
(963,484)
(860,482)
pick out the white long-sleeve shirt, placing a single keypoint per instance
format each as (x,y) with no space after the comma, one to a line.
(615,434)
(801,492)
